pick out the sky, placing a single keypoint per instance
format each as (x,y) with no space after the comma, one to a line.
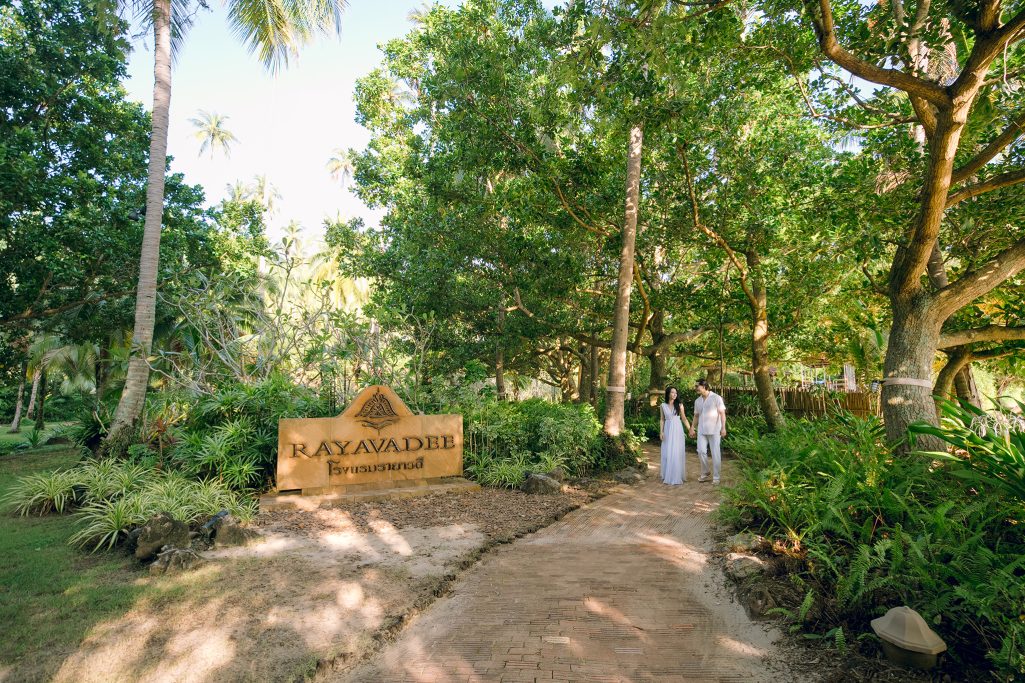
(287,125)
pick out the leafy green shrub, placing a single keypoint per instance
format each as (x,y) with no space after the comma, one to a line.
(230,451)
(506,440)
(34,438)
(232,435)
(89,428)
(8,447)
(745,405)
(868,529)
(644,427)
(144,456)
(617,452)
(105,523)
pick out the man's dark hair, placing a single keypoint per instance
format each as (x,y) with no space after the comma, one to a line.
(702,383)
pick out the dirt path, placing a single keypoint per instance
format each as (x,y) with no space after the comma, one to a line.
(621,590)
(323,586)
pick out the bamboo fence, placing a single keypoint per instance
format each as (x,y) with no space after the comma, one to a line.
(805,403)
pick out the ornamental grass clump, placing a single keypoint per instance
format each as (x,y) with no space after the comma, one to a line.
(41,494)
(110,498)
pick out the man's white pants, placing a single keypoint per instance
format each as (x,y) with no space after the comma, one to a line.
(704,442)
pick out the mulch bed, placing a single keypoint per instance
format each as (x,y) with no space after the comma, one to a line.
(500,514)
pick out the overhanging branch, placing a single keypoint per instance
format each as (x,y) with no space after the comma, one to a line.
(989,333)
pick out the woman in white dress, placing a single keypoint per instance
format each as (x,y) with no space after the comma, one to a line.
(671,427)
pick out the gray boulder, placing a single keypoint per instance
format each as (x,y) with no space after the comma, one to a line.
(160,530)
(740,566)
(227,531)
(628,476)
(173,559)
(558,474)
(540,483)
(746,542)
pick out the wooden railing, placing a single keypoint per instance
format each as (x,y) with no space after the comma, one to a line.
(803,402)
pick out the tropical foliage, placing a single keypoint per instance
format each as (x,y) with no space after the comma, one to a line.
(864,531)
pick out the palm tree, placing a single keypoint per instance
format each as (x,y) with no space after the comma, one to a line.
(211,132)
(340,166)
(237,192)
(76,363)
(615,397)
(418,15)
(274,30)
(263,191)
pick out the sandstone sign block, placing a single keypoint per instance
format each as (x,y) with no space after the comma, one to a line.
(377,441)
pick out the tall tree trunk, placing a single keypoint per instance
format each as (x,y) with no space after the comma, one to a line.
(914,333)
(133,396)
(500,354)
(102,362)
(760,344)
(615,392)
(907,391)
(20,402)
(957,359)
(658,362)
(36,376)
(567,383)
(964,386)
(40,417)
(594,368)
(583,373)
(659,372)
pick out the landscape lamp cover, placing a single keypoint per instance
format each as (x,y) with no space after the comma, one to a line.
(906,628)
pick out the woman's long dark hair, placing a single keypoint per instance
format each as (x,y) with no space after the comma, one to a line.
(677,409)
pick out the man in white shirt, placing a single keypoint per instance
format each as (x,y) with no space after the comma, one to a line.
(710,423)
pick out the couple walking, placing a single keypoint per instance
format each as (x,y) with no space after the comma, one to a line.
(709,424)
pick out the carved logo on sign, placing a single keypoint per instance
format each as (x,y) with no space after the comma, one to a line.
(377,413)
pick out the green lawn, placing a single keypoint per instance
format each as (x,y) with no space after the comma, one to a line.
(26,429)
(51,594)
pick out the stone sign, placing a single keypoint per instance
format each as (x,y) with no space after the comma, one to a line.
(377,442)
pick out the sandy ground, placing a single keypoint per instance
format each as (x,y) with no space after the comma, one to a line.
(318,588)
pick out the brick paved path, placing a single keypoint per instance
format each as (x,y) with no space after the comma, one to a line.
(618,591)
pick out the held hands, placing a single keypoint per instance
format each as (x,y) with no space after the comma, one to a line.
(722,432)
(692,432)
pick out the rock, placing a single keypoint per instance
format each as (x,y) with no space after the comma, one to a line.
(558,474)
(172,559)
(227,531)
(746,542)
(540,483)
(132,539)
(740,566)
(58,440)
(628,476)
(161,530)
(758,600)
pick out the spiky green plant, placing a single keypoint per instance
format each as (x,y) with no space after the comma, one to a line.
(105,523)
(989,447)
(42,493)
